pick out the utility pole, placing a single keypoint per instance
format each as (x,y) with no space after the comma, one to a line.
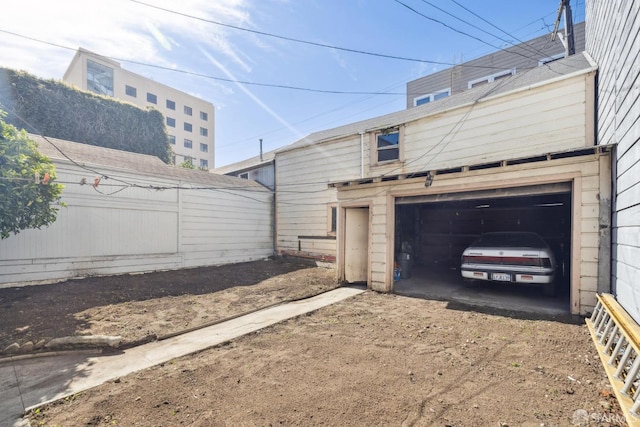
(566,40)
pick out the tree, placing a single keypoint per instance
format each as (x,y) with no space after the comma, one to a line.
(29,197)
(187,164)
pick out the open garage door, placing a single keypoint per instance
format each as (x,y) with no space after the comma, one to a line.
(436,229)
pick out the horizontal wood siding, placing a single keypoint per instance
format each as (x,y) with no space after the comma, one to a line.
(617,53)
(138,230)
(303,195)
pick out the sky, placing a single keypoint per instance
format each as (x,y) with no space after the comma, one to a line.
(271,67)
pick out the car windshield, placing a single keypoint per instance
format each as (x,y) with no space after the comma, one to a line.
(510,240)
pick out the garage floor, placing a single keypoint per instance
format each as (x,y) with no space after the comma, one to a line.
(447,285)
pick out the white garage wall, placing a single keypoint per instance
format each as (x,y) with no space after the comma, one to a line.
(612,39)
(139,229)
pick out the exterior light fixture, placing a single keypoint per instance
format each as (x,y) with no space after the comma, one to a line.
(428,180)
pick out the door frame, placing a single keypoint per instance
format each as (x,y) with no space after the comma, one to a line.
(341,247)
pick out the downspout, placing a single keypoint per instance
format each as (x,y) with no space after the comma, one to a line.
(361,155)
(274,229)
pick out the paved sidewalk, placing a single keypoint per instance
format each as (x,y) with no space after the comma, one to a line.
(28,383)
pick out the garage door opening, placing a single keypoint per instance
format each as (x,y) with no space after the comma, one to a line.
(431,233)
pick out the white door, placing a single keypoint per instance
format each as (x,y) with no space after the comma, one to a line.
(356,242)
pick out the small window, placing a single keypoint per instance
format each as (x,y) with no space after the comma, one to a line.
(204,148)
(493,77)
(388,145)
(204,116)
(152,98)
(188,111)
(425,99)
(188,143)
(171,122)
(171,105)
(131,91)
(244,175)
(172,139)
(204,132)
(188,127)
(204,163)
(332,220)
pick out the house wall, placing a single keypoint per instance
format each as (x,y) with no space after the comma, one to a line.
(589,190)
(138,230)
(549,118)
(521,57)
(612,39)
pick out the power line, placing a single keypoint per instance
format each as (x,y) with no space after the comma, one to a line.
(307,42)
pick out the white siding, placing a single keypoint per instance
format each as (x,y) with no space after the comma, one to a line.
(139,230)
(613,39)
(548,118)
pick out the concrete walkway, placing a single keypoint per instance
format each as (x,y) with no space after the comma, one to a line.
(28,383)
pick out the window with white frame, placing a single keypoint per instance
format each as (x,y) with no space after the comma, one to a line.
(188,143)
(204,132)
(425,99)
(550,59)
(493,77)
(387,145)
(204,148)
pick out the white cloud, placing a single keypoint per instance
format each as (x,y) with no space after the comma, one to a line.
(117,28)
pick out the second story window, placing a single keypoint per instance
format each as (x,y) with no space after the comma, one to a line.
(131,91)
(425,99)
(387,145)
(171,105)
(204,163)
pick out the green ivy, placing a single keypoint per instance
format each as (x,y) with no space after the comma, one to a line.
(29,195)
(55,109)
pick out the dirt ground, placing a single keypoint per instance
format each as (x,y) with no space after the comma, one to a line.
(374,359)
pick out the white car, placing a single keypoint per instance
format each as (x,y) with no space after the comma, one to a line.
(513,257)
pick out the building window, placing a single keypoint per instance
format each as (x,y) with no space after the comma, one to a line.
(188,111)
(171,105)
(188,127)
(204,132)
(99,78)
(171,122)
(425,99)
(204,163)
(152,98)
(244,175)
(493,77)
(550,59)
(204,148)
(332,219)
(131,91)
(172,139)
(204,116)
(388,145)
(188,143)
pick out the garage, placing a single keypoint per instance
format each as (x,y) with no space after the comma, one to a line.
(431,217)
(432,231)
